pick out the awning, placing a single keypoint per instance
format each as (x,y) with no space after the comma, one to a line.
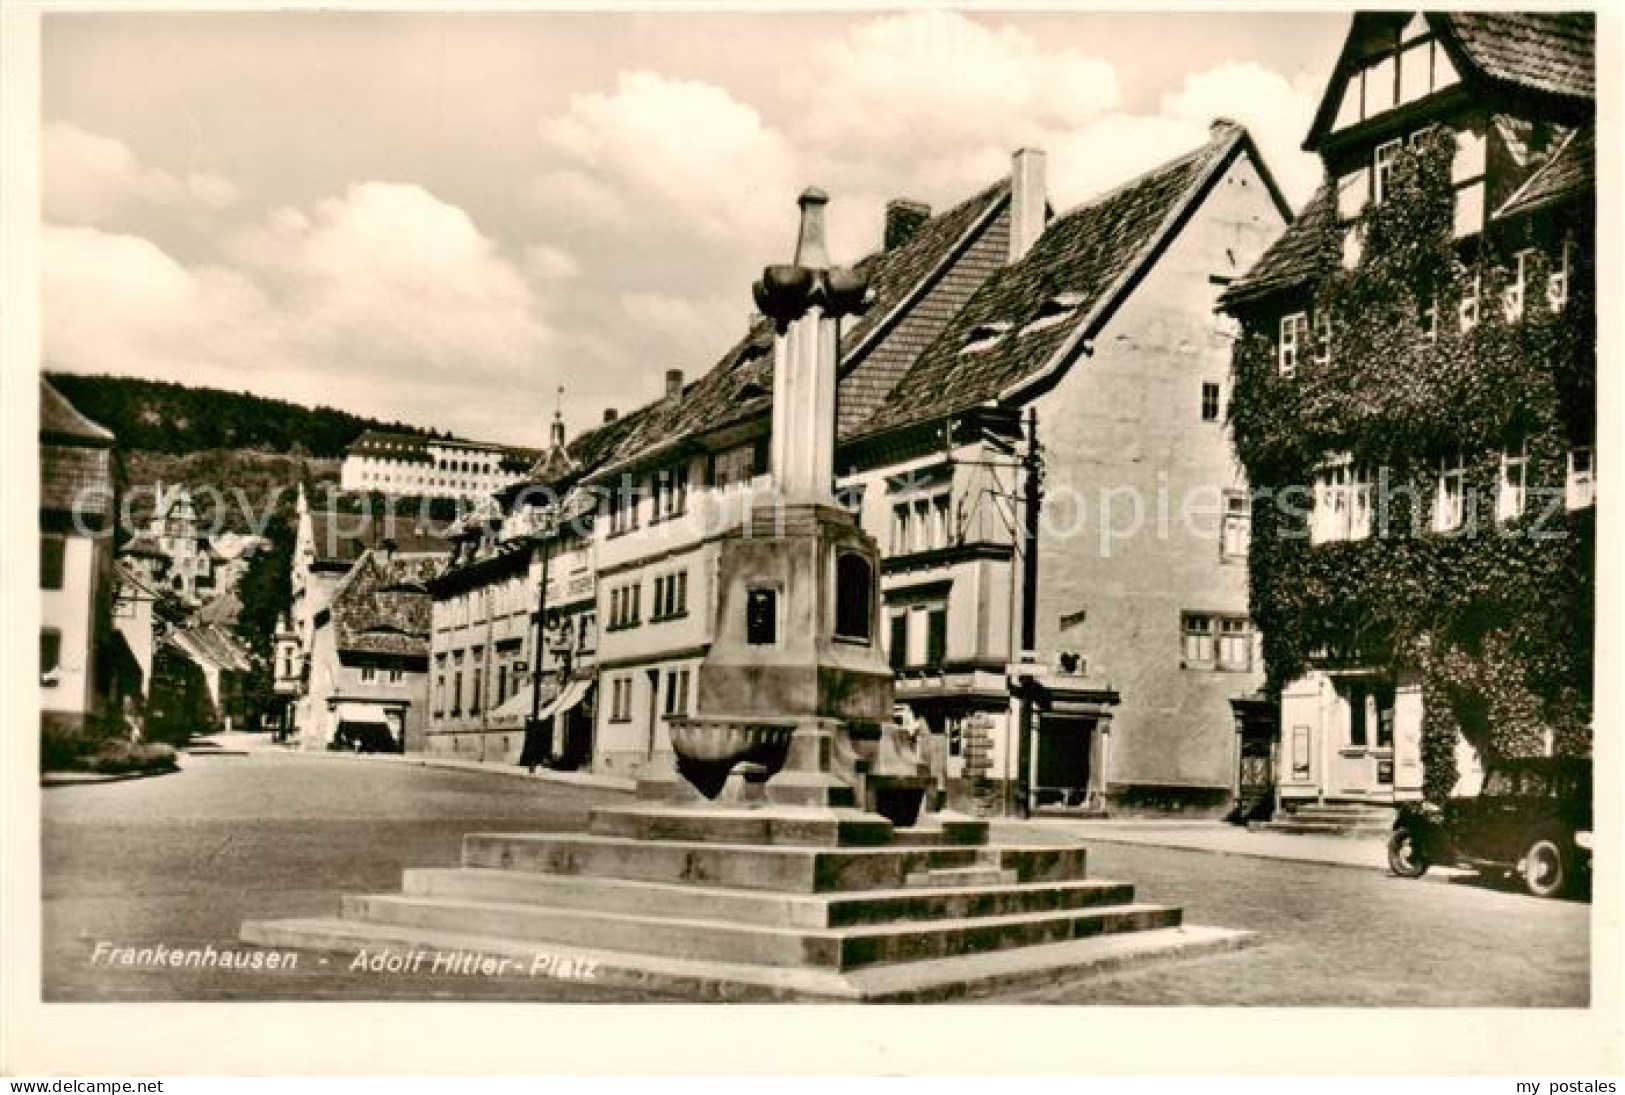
(514,710)
(362,713)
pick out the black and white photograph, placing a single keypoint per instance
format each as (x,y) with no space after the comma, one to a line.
(1086,510)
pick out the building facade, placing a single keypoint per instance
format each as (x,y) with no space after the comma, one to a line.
(1419,366)
(430,467)
(368,678)
(1101,675)
(173,551)
(78,512)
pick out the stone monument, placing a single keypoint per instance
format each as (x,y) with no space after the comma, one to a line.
(789,856)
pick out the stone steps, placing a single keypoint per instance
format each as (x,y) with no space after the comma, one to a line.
(961,876)
(1002,896)
(721,941)
(1351,819)
(757,867)
(783,826)
(939,980)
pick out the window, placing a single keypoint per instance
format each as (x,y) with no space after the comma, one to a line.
(854,596)
(762,617)
(671,492)
(1294,333)
(1449,507)
(924,523)
(1512,297)
(50,657)
(1430,321)
(1382,169)
(620,699)
(1323,337)
(457,693)
(1235,645)
(476,680)
(1343,504)
(1210,401)
(984,336)
(1513,488)
(624,609)
(898,649)
(1197,648)
(1581,484)
(671,596)
(734,466)
(623,509)
(1235,534)
(1469,306)
(368,673)
(53,549)
(936,634)
(502,683)
(1557,280)
(676,692)
(1371,713)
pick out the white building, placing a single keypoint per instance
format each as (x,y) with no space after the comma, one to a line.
(431,467)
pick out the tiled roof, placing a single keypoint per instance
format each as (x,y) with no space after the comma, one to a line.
(382,605)
(61,422)
(212,644)
(1080,267)
(414,447)
(1291,259)
(918,293)
(76,478)
(345,537)
(1572,170)
(739,386)
(1552,52)
(224,609)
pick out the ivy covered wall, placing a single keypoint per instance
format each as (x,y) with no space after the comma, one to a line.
(1494,619)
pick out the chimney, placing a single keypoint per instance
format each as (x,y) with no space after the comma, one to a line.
(1029,201)
(903,218)
(610,415)
(1218,125)
(558,430)
(674,383)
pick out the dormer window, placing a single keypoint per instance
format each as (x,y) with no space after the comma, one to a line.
(984,336)
(1055,310)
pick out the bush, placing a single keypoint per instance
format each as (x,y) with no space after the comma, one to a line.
(123,757)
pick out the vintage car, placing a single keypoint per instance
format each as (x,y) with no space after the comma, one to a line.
(1532,818)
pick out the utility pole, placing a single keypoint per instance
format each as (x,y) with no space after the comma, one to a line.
(1032,465)
(533,730)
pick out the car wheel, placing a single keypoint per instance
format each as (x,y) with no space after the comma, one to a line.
(1545,870)
(1405,858)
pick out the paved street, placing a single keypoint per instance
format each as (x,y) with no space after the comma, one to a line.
(183,859)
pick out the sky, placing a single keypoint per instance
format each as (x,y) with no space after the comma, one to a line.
(442,218)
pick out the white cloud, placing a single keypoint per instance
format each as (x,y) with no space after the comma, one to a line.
(547,263)
(88,178)
(379,299)
(1275,110)
(677,153)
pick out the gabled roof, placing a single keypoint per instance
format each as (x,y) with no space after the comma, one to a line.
(131,582)
(1291,260)
(382,606)
(61,423)
(1549,53)
(345,537)
(1071,282)
(225,610)
(739,387)
(1569,172)
(211,644)
(1542,51)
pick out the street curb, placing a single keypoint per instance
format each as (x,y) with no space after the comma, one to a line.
(90,779)
(1436,875)
(561,779)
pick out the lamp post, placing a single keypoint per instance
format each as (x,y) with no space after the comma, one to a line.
(537,749)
